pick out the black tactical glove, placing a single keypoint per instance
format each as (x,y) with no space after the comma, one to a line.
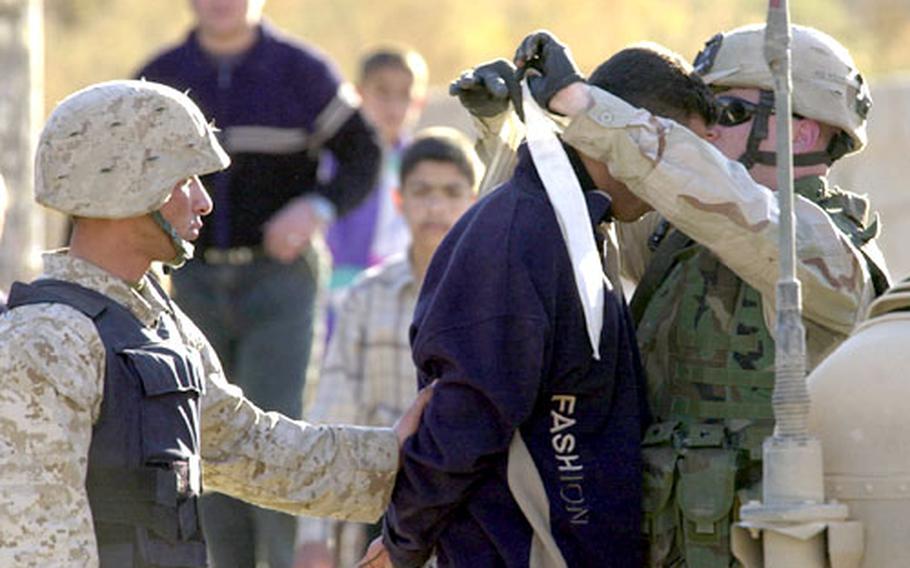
(487,89)
(546,64)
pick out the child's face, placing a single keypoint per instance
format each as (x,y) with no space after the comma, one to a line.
(433,197)
(390,101)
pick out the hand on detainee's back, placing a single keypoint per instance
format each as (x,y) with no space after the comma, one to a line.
(376,556)
(547,65)
(406,425)
(487,89)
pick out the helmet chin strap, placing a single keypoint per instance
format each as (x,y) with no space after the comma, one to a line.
(760,124)
(183,247)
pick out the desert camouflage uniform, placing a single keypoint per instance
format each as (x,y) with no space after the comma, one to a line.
(723,283)
(715,201)
(51,383)
(707,331)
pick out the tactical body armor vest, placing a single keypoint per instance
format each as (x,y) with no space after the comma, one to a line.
(709,360)
(143,476)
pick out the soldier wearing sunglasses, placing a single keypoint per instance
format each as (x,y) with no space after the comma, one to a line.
(704,302)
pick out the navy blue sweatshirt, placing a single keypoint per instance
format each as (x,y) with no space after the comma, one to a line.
(278,106)
(500,324)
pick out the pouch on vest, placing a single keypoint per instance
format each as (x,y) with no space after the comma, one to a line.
(163,372)
(157,512)
(659,458)
(659,466)
(170,388)
(160,553)
(705,494)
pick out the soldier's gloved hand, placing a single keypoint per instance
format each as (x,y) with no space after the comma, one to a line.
(547,66)
(487,89)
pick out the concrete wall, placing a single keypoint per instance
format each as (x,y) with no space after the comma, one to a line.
(883,169)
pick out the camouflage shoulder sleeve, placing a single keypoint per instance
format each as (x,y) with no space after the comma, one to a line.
(346,472)
(51,375)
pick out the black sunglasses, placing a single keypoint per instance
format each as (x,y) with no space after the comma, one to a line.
(734,110)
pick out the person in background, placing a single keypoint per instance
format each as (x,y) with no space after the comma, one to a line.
(392,85)
(280,105)
(368,376)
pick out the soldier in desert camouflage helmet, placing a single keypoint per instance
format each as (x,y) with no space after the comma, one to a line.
(707,321)
(704,304)
(114,410)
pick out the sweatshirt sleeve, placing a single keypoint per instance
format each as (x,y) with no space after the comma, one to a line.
(355,148)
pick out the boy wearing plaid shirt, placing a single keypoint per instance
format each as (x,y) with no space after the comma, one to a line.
(368,376)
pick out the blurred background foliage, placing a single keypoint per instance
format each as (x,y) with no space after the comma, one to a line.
(94,40)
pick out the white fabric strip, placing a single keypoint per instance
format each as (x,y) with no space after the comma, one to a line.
(529,492)
(264,140)
(568,202)
(333,116)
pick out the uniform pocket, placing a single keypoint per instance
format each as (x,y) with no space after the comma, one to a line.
(163,372)
(168,409)
(659,522)
(705,498)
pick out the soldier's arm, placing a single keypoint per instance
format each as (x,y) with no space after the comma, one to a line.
(716,202)
(345,472)
(51,375)
(497,145)
(490,93)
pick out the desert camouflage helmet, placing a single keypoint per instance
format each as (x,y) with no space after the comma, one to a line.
(116,149)
(827,86)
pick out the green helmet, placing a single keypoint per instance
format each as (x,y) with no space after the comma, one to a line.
(115,150)
(827,86)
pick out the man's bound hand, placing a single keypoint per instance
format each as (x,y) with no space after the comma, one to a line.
(547,65)
(487,89)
